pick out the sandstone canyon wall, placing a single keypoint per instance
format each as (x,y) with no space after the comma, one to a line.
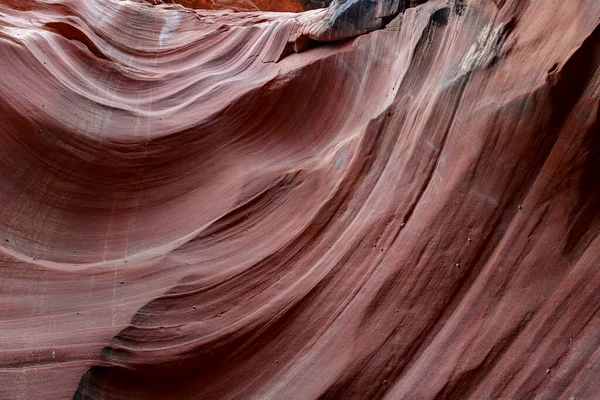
(376,200)
(249,5)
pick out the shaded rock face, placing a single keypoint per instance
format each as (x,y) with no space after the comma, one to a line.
(377,200)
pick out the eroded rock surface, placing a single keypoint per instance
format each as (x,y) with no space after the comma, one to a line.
(399,201)
(249,5)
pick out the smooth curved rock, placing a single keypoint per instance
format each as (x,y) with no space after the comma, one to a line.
(393,203)
(249,5)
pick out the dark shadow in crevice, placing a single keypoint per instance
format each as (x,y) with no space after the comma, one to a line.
(73,33)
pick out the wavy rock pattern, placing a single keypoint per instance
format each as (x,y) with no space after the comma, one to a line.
(249,5)
(219,205)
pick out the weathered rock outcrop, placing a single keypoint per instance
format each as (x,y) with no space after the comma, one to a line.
(395,200)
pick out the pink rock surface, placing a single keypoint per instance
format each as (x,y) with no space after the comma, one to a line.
(220,205)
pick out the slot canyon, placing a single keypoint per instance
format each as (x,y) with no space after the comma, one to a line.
(299,199)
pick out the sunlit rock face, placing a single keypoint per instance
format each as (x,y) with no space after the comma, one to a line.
(374,200)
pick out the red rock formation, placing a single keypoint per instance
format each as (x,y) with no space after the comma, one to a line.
(249,5)
(217,205)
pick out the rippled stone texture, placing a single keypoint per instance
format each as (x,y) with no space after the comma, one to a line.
(394,201)
(250,5)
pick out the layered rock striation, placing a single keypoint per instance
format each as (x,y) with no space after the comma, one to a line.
(374,200)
